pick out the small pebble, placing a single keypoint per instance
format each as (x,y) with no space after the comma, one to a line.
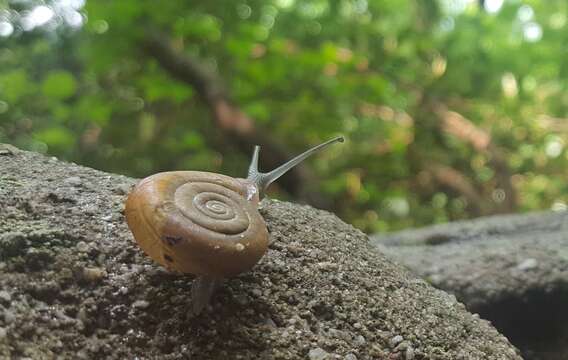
(7,149)
(82,246)
(270,323)
(241,299)
(9,317)
(5,297)
(294,249)
(318,354)
(350,357)
(360,340)
(409,354)
(140,304)
(122,189)
(338,334)
(82,316)
(327,266)
(527,264)
(3,333)
(93,274)
(73,181)
(402,346)
(396,340)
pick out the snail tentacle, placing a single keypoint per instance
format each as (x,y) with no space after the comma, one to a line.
(263,180)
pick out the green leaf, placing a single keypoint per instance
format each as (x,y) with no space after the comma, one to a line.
(157,86)
(92,108)
(258,111)
(57,137)
(199,25)
(59,85)
(193,140)
(15,85)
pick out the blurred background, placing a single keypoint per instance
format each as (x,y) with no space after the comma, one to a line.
(452,109)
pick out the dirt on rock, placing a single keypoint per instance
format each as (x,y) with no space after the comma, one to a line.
(74,285)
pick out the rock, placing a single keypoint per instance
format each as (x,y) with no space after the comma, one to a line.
(318,274)
(510,269)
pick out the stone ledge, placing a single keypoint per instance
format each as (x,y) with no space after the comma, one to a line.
(74,285)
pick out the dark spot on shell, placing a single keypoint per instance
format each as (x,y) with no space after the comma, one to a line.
(172,240)
(168,258)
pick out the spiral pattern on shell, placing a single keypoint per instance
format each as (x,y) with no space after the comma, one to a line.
(197,222)
(212,206)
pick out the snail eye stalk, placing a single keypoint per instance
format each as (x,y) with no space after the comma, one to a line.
(263,180)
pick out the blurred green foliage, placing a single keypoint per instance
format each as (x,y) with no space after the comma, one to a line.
(452,108)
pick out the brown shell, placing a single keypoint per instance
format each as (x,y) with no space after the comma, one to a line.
(197,222)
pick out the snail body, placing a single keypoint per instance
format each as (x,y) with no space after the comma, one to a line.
(204,223)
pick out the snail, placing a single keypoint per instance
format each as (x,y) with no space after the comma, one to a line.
(204,223)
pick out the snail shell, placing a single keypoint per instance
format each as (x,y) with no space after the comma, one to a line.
(198,222)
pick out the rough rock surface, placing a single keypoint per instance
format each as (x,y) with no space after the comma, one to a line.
(73,285)
(512,270)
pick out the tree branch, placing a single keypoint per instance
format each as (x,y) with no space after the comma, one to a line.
(233,123)
(456,181)
(465,130)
